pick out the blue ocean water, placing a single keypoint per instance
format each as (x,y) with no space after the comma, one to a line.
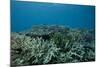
(26,14)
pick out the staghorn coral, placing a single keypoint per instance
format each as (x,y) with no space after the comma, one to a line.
(52,44)
(32,51)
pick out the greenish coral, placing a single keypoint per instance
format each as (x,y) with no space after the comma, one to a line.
(32,51)
(52,44)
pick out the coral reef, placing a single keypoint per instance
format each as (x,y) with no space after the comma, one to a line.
(43,44)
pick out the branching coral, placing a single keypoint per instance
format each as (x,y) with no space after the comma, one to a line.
(32,51)
(56,44)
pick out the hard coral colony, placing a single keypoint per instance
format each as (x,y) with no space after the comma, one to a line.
(52,44)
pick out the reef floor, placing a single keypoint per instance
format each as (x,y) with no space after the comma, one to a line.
(52,44)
